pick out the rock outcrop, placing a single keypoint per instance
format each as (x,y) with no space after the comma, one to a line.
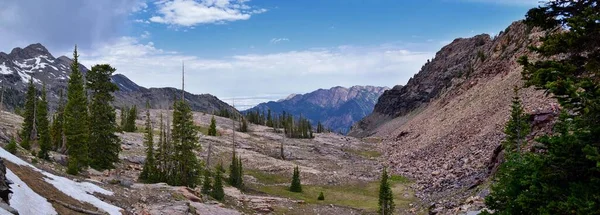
(444,127)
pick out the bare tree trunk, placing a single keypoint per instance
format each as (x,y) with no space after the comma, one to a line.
(281,147)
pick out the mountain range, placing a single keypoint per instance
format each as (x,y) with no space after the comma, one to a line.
(336,108)
(37,63)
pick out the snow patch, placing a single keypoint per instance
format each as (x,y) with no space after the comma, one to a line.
(24,198)
(4,69)
(81,191)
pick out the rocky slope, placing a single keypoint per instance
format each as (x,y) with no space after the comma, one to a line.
(36,62)
(444,128)
(337,108)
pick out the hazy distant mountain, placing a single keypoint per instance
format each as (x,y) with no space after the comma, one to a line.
(337,108)
(35,61)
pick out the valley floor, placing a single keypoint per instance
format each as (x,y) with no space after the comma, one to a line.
(345,169)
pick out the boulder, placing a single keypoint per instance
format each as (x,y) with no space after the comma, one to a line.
(59,158)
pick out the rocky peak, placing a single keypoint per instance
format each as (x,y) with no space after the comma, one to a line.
(31,51)
(461,61)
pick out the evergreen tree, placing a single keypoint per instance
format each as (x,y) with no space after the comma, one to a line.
(217,190)
(234,172)
(386,198)
(11,146)
(104,145)
(76,120)
(321,196)
(212,130)
(517,127)
(130,120)
(206,183)
(320,128)
(240,174)
(56,130)
(161,157)
(149,172)
(28,133)
(565,178)
(185,140)
(269,119)
(43,126)
(123,124)
(296,186)
(243,125)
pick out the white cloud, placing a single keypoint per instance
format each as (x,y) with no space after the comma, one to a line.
(279,40)
(142,21)
(23,22)
(260,74)
(145,35)
(189,13)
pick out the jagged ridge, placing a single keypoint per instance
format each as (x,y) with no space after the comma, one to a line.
(36,62)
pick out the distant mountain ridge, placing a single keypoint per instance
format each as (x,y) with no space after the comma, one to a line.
(36,62)
(336,108)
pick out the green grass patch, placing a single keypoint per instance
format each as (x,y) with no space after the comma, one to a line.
(268,178)
(358,195)
(202,129)
(364,153)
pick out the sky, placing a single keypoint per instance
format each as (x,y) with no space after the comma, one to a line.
(254,50)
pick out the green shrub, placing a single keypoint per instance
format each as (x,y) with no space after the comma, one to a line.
(321,197)
(12,146)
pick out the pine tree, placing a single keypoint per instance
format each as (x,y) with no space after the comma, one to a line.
(206,183)
(185,140)
(149,173)
(11,146)
(240,174)
(517,128)
(386,198)
(104,145)
(123,124)
(321,196)
(217,190)
(130,120)
(564,179)
(269,119)
(212,130)
(161,152)
(234,171)
(76,120)
(29,122)
(57,131)
(43,126)
(243,125)
(296,186)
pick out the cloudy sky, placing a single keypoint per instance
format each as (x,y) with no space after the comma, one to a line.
(254,50)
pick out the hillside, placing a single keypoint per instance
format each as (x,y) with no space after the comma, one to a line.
(336,108)
(35,61)
(444,127)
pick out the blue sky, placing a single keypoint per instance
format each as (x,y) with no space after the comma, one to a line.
(255,50)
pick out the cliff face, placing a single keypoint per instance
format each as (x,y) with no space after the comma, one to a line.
(444,128)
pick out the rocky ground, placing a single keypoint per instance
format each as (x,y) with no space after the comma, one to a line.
(346,169)
(449,141)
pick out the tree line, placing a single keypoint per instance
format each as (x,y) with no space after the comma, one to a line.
(82,128)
